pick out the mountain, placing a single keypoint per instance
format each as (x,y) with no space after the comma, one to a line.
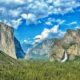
(8,42)
(60,49)
(40,50)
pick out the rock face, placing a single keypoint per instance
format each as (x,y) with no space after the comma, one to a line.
(69,43)
(19,52)
(41,50)
(8,43)
(69,46)
(7,40)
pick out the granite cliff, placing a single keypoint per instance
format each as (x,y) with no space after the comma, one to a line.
(70,44)
(8,43)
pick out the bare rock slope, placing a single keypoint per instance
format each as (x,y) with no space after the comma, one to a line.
(7,42)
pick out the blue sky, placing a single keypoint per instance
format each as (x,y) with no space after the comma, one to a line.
(41,19)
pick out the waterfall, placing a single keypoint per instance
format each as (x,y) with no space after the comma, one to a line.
(65,57)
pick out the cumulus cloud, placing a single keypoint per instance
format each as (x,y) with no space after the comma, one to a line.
(16,23)
(48,23)
(77,27)
(55,29)
(2,10)
(72,23)
(6,22)
(35,9)
(27,41)
(43,35)
(49,34)
(32,10)
(12,1)
(14,13)
(59,21)
(29,17)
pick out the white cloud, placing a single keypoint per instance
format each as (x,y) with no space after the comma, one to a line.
(43,35)
(72,23)
(24,16)
(61,33)
(32,10)
(57,2)
(47,33)
(55,29)
(27,41)
(6,22)
(2,10)
(48,23)
(59,21)
(51,19)
(14,13)
(16,23)
(19,1)
(49,1)
(54,32)
(29,17)
(77,27)
(12,1)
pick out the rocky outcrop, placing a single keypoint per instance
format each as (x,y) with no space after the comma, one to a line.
(57,52)
(61,49)
(8,43)
(69,43)
(7,40)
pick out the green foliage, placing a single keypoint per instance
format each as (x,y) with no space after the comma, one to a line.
(56,40)
(66,45)
(77,58)
(39,70)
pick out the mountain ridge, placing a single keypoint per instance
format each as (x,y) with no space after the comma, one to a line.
(70,44)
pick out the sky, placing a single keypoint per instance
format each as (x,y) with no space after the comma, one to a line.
(36,20)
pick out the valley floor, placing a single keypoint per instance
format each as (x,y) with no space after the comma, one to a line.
(39,70)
